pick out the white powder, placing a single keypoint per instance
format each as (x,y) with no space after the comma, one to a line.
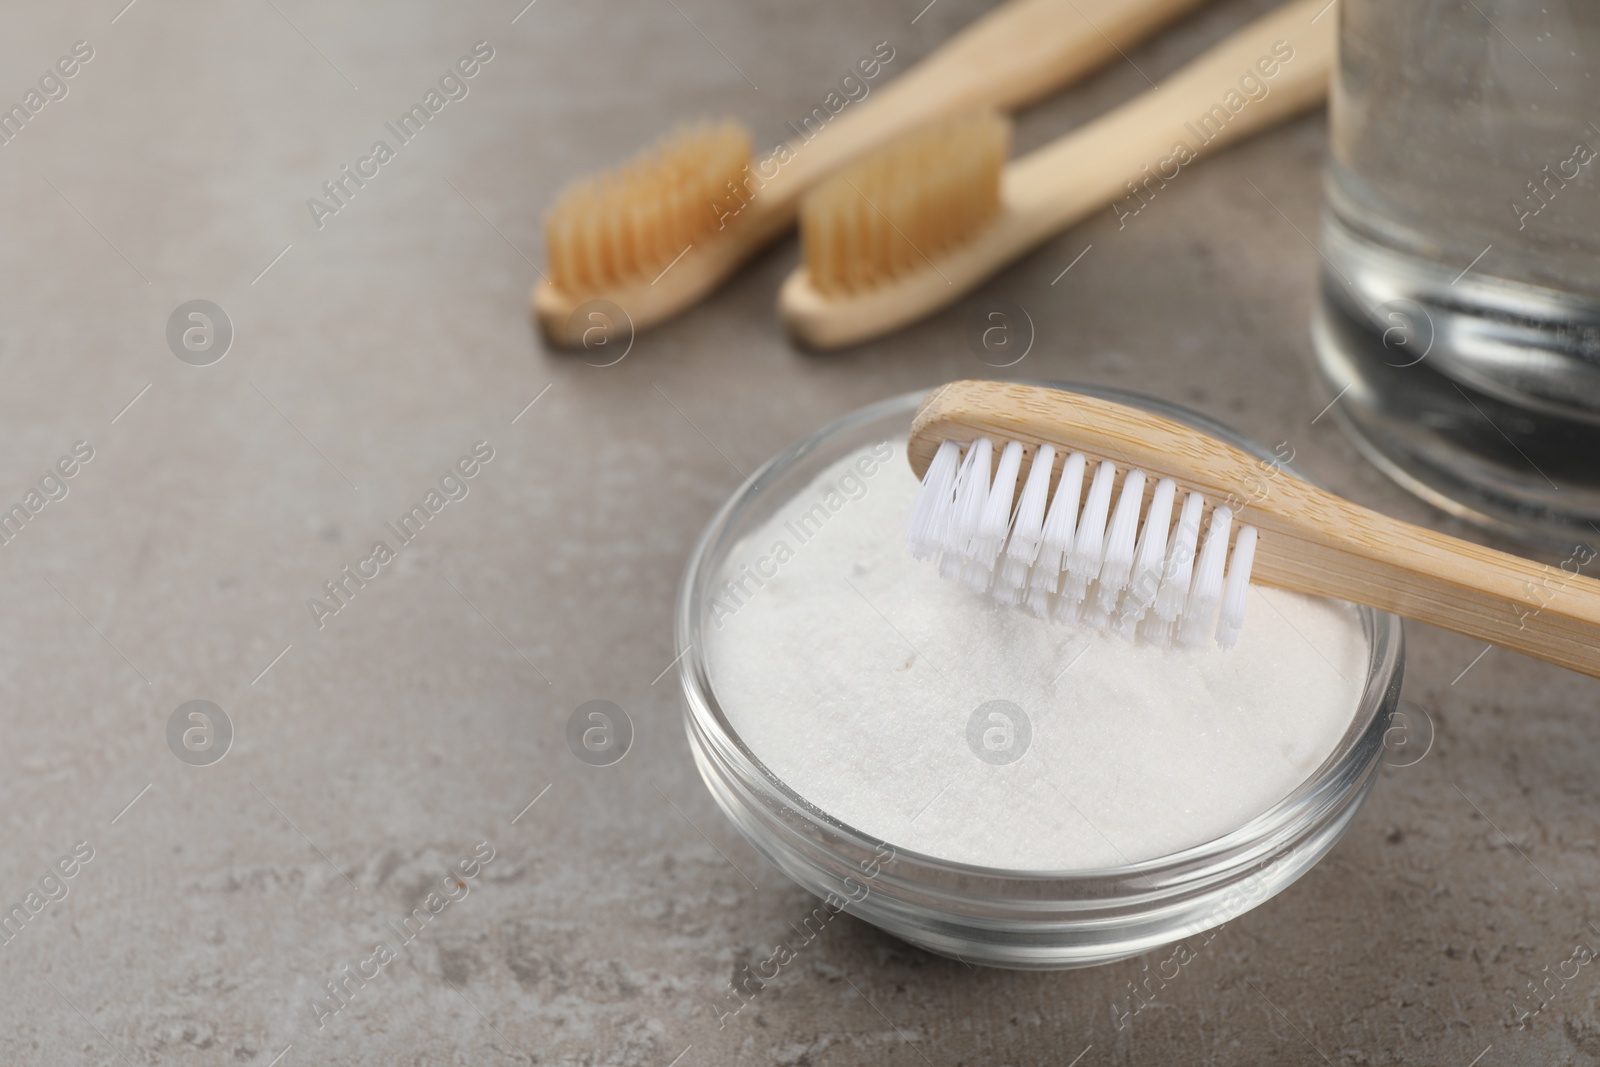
(852,672)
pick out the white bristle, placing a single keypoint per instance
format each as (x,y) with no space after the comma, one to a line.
(1121,541)
(1089,610)
(1057,535)
(934,501)
(972,490)
(1026,529)
(1238,582)
(1145,576)
(1207,590)
(1100,564)
(1127,624)
(1156,630)
(1179,566)
(1089,547)
(971,496)
(942,525)
(994,521)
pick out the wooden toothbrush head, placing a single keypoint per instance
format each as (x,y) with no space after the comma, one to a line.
(1130,437)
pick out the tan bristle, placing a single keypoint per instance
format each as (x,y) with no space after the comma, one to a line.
(629,224)
(898,209)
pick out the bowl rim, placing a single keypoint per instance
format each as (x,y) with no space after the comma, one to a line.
(1321,791)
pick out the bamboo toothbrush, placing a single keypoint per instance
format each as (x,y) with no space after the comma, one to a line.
(897,236)
(658,234)
(1157,578)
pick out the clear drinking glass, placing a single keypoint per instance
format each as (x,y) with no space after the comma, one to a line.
(1459,322)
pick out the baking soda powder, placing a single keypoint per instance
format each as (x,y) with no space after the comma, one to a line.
(926,715)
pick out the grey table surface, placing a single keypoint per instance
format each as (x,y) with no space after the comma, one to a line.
(373,752)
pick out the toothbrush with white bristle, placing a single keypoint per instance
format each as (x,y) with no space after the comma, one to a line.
(1005,467)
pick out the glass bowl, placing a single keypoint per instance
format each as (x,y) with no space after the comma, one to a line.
(1031,919)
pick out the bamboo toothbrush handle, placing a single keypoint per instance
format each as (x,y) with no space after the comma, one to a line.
(1324,545)
(1223,96)
(1017,53)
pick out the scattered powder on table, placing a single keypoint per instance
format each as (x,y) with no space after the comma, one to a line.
(860,678)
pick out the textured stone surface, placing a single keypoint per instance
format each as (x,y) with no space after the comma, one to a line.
(427,713)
